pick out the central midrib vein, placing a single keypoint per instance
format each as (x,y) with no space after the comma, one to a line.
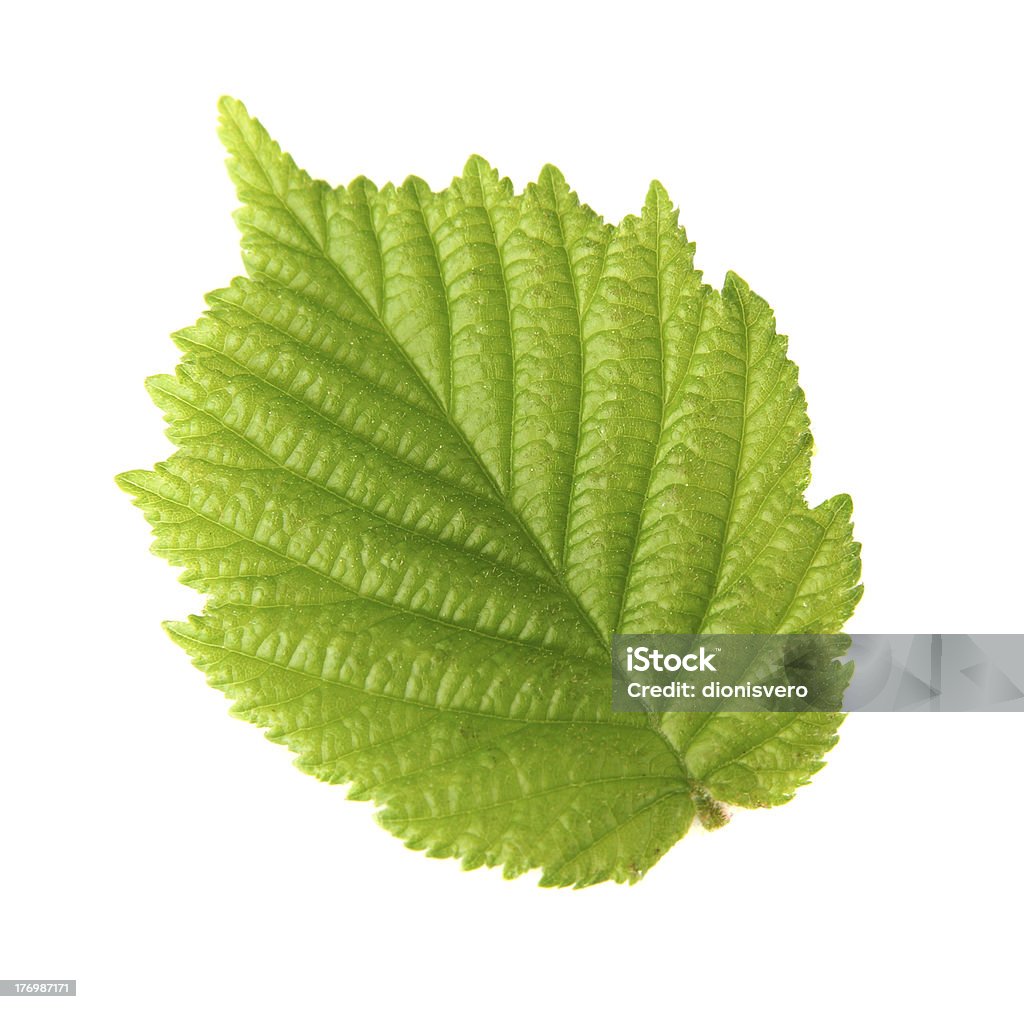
(556,578)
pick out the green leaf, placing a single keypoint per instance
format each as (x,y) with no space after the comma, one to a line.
(433,451)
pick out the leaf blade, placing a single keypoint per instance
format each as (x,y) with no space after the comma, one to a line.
(433,452)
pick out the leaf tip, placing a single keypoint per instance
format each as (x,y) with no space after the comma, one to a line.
(735,284)
(477,165)
(230,106)
(234,121)
(365,187)
(128,481)
(657,194)
(415,186)
(843,505)
(176,630)
(552,176)
(157,386)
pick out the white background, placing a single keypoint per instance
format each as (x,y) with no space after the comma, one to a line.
(859,165)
